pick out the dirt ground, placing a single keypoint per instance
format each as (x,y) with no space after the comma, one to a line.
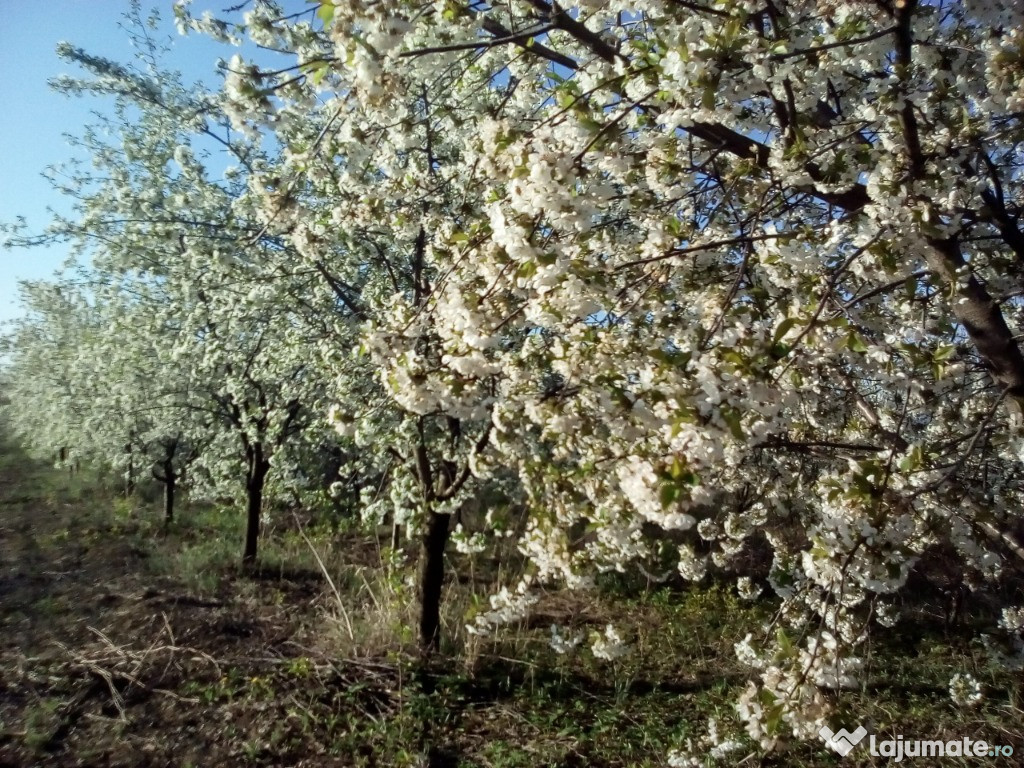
(103,664)
(117,649)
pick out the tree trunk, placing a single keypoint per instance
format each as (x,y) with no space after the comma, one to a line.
(435,537)
(129,480)
(258,468)
(62,458)
(169,487)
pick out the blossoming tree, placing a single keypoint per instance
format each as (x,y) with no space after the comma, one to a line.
(188,339)
(713,275)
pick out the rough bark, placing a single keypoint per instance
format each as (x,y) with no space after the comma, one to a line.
(170,481)
(972,305)
(129,482)
(259,466)
(435,538)
(981,317)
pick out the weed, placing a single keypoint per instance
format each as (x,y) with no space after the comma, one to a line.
(41,723)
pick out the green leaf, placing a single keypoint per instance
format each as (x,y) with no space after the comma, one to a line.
(668,493)
(912,460)
(783,329)
(785,644)
(732,418)
(678,468)
(707,99)
(326,12)
(527,269)
(734,357)
(451,11)
(855,343)
(315,71)
(673,358)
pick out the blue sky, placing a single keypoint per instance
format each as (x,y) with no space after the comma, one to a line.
(33,118)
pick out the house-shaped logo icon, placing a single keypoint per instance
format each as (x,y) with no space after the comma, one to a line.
(843,741)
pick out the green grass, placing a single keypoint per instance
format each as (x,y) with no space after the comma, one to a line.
(41,722)
(511,701)
(353,689)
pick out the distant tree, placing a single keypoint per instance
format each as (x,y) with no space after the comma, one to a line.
(188,340)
